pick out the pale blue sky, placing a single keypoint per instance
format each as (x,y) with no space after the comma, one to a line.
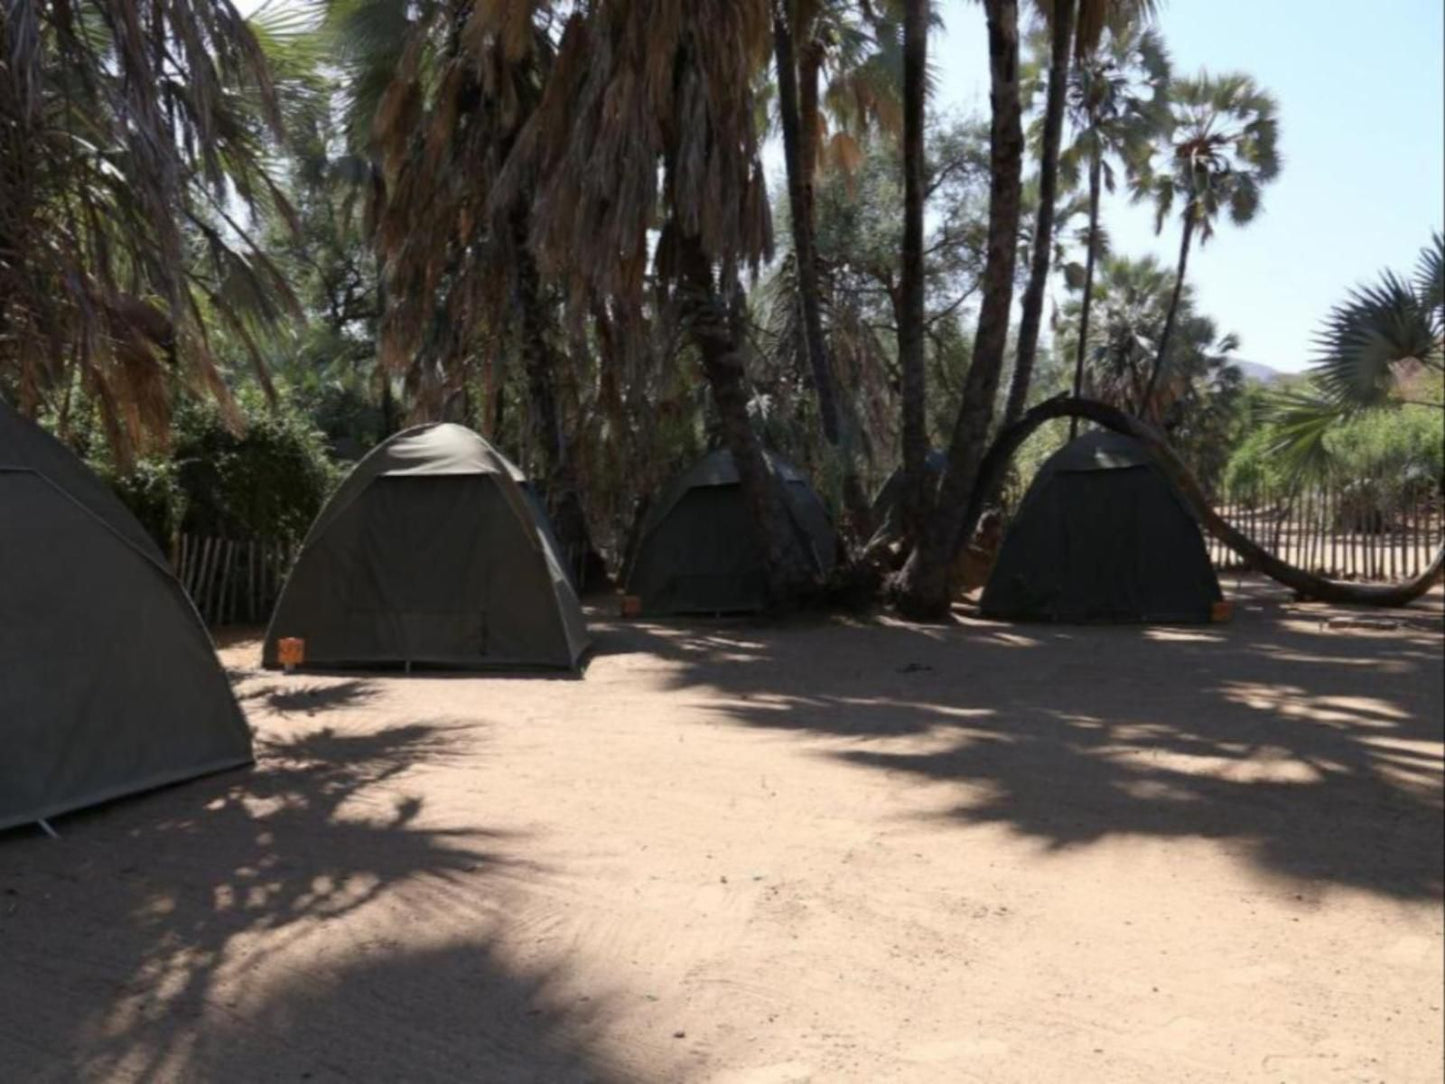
(1361,92)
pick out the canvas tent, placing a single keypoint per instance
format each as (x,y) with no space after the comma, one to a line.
(696,552)
(431,553)
(109,684)
(1102,535)
(888,504)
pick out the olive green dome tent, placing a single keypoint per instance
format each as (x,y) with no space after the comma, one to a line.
(109,684)
(1102,536)
(696,552)
(430,553)
(888,504)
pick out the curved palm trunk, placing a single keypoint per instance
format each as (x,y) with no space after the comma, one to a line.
(1307,584)
(1145,406)
(1033,300)
(790,574)
(1096,164)
(923,588)
(911,288)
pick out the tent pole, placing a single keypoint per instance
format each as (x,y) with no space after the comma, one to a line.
(45,827)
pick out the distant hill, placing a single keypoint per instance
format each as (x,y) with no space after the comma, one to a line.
(1254,370)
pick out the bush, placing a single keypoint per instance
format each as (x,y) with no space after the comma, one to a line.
(153,493)
(1395,453)
(266,481)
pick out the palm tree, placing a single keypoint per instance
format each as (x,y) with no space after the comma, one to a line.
(1116,105)
(1059,19)
(911,272)
(127,132)
(800,205)
(1070,55)
(432,104)
(648,124)
(1223,152)
(1371,348)
(808,36)
(922,589)
(1131,296)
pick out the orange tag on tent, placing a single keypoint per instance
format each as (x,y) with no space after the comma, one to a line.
(291,651)
(1221,611)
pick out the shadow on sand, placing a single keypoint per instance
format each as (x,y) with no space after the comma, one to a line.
(1315,753)
(114,968)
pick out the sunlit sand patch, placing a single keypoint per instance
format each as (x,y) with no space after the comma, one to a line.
(1182,636)
(1157,790)
(1369,704)
(1405,748)
(1372,663)
(1293,702)
(1267,764)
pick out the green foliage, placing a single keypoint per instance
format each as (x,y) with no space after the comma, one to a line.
(134,139)
(151,489)
(1223,150)
(1402,449)
(1383,345)
(1397,453)
(1199,392)
(858,236)
(267,480)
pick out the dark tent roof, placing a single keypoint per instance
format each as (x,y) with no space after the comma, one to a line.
(431,552)
(696,552)
(1102,535)
(109,684)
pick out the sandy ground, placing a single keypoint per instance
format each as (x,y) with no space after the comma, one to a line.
(822,851)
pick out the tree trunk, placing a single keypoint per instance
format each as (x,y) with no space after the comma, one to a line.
(1145,407)
(1255,556)
(803,249)
(1062,38)
(790,573)
(390,409)
(798,63)
(541,365)
(810,117)
(1096,163)
(911,285)
(923,589)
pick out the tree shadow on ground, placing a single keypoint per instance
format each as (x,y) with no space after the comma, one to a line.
(1314,753)
(140,945)
(310,699)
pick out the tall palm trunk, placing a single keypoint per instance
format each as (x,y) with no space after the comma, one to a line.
(911,287)
(1061,41)
(803,248)
(923,589)
(1145,406)
(789,572)
(1096,163)
(810,116)
(541,366)
(799,65)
